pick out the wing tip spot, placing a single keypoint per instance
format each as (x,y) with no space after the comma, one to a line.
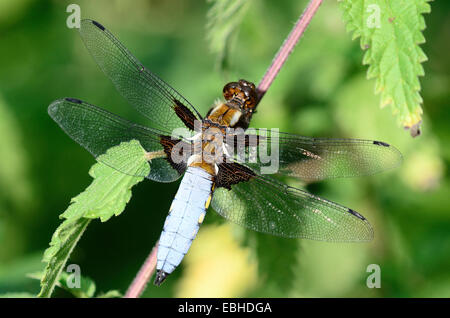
(380,143)
(73,100)
(359,216)
(98,25)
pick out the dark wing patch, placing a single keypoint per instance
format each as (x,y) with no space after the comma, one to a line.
(168,143)
(185,114)
(232,173)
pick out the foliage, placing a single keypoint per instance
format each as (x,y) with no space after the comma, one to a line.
(63,242)
(86,289)
(223,20)
(106,196)
(390,33)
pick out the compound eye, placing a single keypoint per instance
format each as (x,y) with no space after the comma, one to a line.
(245,83)
(248,92)
(229,90)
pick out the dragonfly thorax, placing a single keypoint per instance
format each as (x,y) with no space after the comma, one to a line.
(224,115)
(209,147)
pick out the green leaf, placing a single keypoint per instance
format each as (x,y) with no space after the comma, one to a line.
(110,294)
(111,190)
(63,242)
(390,32)
(106,196)
(223,20)
(87,286)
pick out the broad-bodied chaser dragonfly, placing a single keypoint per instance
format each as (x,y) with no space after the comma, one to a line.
(234,185)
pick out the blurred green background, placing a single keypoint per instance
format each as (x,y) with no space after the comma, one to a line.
(321,91)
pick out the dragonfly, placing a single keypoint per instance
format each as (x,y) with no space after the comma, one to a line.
(232,184)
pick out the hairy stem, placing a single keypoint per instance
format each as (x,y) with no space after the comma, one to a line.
(287,47)
(140,281)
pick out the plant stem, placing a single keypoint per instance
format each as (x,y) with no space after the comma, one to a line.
(287,47)
(143,276)
(140,281)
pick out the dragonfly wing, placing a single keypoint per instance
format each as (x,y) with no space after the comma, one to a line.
(266,205)
(312,159)
(160,103)
(98,130)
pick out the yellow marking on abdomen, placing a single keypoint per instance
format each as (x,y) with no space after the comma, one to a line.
(201,218)
(208,202)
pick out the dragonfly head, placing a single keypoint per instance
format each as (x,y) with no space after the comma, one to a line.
(241,94)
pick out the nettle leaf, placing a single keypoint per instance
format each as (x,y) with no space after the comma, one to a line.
(223,20)
(106,196)
(63,242)
(87,286)
(390,33)
(110,191)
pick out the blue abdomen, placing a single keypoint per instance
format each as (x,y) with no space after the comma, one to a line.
(186,214)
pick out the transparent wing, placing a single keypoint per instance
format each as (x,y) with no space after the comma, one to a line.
(266,205)
(313,159)
(98,130)
(150,95)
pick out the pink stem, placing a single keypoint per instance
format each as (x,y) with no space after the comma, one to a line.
(139,283)
(288,46)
